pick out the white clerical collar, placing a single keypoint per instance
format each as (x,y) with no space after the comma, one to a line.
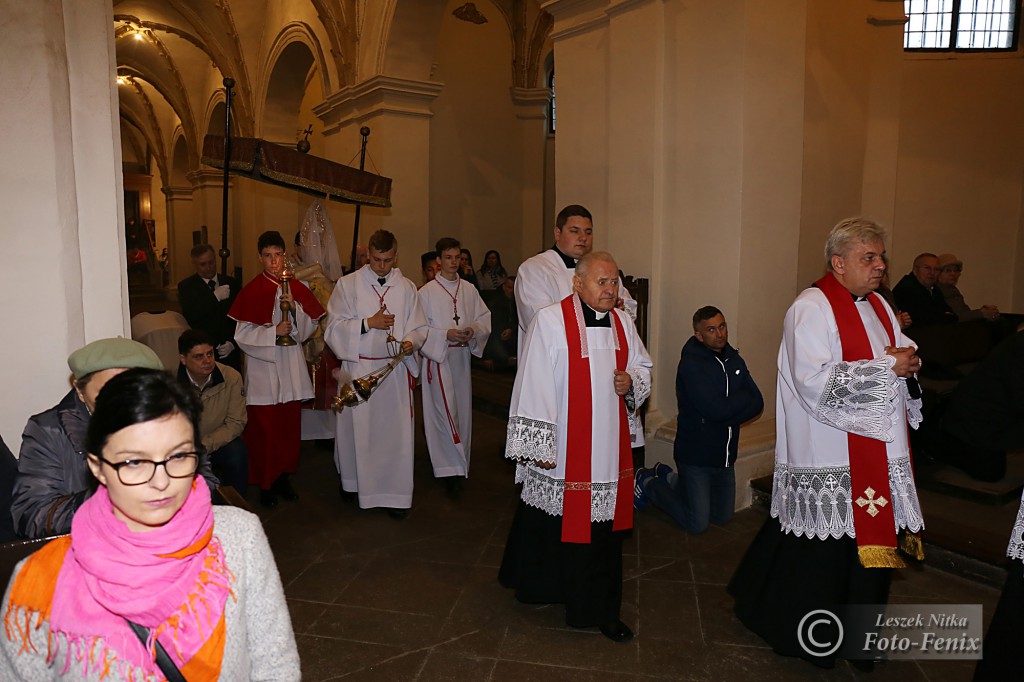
(597,314)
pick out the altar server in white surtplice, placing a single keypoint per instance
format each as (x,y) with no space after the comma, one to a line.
(565,545)
(373,448)
(459,326)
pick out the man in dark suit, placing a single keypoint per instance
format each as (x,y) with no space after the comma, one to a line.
(205,300)
(917,294)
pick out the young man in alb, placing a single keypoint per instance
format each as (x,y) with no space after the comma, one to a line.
(373,313)
(459,324)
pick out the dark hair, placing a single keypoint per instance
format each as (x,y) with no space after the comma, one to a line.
(445,243)
(427,258)
(298,238)
(469,256)
(382,241)
(705,313)
(190,338)
(199,249)
(483,266)
(137,396)
(570,211)
(926,254)
(270,238)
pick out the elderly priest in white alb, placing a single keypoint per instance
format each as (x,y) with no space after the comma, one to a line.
(844,503)
(373,446)
(575,466)
(459,324)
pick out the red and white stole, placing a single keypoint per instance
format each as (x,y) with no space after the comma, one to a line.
(576,499)
(873,519)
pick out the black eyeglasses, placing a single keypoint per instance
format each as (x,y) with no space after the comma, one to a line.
(140,471)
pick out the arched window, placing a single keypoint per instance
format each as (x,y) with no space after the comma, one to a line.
(551,101)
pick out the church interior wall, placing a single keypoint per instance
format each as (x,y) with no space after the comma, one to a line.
(476,175)
(63,199)
(961,165)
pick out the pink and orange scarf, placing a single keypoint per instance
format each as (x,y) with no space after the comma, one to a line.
(172,580)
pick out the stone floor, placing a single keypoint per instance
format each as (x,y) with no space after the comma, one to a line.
(377,599)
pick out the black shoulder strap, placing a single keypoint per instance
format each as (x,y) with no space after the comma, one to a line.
(163,660)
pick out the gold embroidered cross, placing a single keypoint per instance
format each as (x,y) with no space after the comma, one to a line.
(872,501)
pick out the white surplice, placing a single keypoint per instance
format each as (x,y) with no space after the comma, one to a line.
(445,376)
(275,374)
(820,399)
(373,446)
(543,280)
(538,415)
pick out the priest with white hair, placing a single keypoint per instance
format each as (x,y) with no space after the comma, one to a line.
(575,466)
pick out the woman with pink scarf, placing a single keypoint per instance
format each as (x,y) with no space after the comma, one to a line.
(153,582)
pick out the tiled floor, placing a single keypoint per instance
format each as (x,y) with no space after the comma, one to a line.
(377,599)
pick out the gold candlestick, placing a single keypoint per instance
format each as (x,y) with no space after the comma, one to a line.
(286,307)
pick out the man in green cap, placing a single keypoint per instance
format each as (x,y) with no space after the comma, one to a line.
(53,477)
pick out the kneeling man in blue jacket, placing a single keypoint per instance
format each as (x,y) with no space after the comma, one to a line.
(716,394)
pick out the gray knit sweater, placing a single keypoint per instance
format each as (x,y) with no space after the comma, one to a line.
(260,644)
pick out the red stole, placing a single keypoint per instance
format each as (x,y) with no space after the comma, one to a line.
(576,502)
(873,519)
(255,302)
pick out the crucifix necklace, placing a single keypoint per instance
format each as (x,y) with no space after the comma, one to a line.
(455,298)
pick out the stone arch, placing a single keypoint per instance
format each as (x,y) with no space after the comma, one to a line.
(179,161)
(215,116)
(301,32)
(278,115)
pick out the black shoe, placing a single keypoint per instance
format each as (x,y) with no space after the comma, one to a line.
(616,631)
(268,499)
(398,514)
(453,487)
(283,487)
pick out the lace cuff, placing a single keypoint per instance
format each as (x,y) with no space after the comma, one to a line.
(1015,550)
(530,439)
(862,397)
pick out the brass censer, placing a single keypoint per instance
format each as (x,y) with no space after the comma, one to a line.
(359,390)
(286,277)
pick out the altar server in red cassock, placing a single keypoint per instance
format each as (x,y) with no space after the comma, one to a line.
(276,379)
(565,545)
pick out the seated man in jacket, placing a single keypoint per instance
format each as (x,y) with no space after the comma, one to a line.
(222,394)
(53,476)
(716,394)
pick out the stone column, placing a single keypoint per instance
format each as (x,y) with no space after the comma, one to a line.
(180,226)
(63,195)
(532,113)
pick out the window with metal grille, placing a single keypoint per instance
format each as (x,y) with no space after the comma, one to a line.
(551,100)
(969,25)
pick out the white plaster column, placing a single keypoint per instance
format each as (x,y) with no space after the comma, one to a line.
(180,225)
(63,217)
(397,111)
(881,154)
(532,114)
